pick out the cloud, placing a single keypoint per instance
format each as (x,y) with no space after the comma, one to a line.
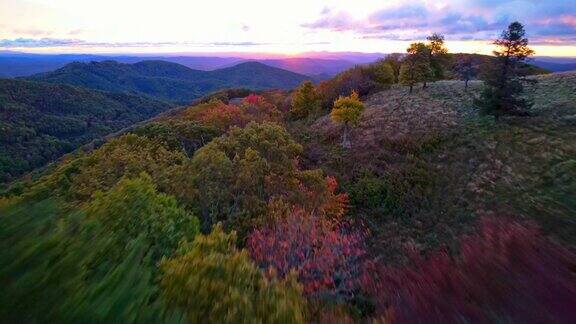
(42,42)
(32,32)
(57,42)
(458,20)
(75,32)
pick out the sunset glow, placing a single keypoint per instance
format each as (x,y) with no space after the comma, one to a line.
(280,27)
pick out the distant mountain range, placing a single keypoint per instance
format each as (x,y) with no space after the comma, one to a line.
(170,81)
(14,64)
(554,66)
(39,122)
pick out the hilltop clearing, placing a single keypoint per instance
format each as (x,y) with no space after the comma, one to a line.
(425,166)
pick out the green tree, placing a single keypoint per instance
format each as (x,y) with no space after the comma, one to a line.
(394,60)
(226,180)
(465,69)
(502,83)
(305,101)
(383,73)
(416,65)
(347,111)
(438,58)
(214,282)
(134,208)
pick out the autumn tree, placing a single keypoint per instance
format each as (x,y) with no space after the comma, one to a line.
(438,56)
(258,109)
(347,111)
(465,69)
(416,65)
(305,101)
(214,282)
(502,80)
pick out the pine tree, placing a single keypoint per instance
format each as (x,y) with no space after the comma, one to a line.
(306,101)
(503,85)
(383,73)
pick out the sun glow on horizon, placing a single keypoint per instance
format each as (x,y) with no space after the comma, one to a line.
(271,27)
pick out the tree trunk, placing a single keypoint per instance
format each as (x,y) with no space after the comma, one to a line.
(345,140)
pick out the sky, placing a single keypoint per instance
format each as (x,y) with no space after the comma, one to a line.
(278,27)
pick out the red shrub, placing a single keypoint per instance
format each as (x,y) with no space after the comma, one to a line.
(258,109)
(507,272)
(326,257)
(219,115)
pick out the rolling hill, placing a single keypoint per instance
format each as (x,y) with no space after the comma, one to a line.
(15,64)
(555,66)
(39,122)
(169,81)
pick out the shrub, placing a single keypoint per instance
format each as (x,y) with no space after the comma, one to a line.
(327,257)
(506,272)
(214,282)
(258,109)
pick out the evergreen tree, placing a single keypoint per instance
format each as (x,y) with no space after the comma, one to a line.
(305,101)
(503,85)
(383,73)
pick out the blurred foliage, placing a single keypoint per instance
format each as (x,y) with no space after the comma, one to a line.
(98,264)
(212,281)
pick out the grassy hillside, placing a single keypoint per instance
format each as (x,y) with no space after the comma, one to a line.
(41,121)
(169,81)
(424,167)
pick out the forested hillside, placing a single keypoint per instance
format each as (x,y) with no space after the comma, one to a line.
(169,81)
(412,189)
(41,121)
(423,171)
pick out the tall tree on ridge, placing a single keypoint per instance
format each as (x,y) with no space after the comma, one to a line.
(502,79)
(395,62)
(415,66)
(438,58)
